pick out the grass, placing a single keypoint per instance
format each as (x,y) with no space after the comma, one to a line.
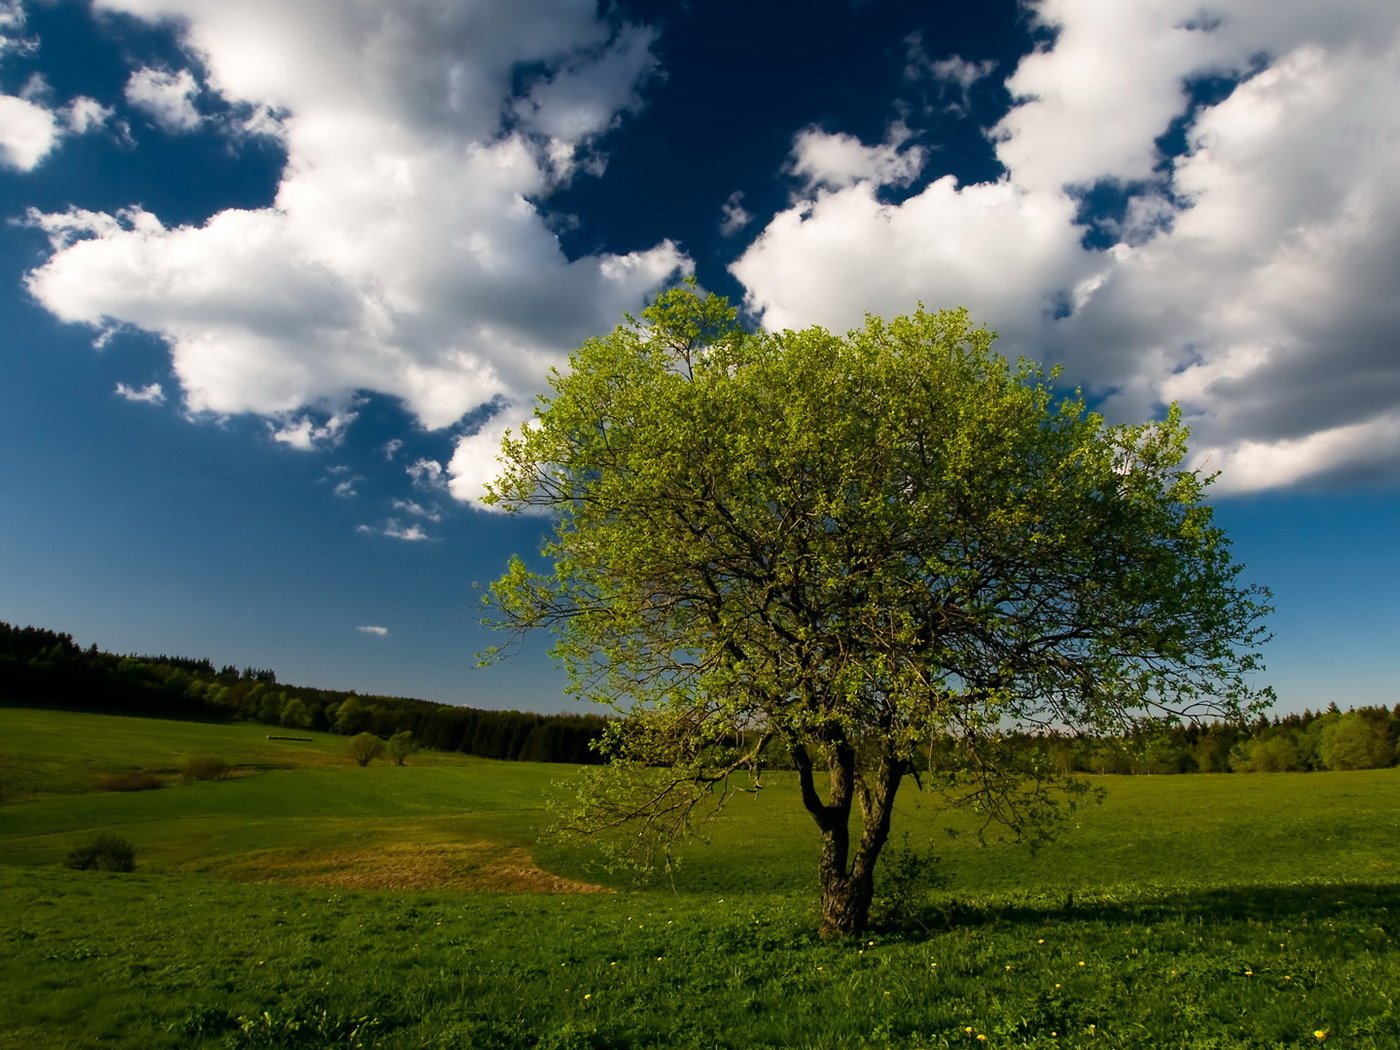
(327,905)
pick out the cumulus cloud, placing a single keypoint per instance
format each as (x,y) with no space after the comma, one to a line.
(84,114)
(150,394)
(826,160)
(28,131)
(1249,276)
(373,629)
(305,435)
(404,252)
(166,97)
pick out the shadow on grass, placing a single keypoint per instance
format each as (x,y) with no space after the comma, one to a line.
(1379,902)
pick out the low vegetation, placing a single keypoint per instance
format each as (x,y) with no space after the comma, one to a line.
(204,767)
(103,852)
(312,903)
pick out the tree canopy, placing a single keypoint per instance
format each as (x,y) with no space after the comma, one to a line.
(846,546)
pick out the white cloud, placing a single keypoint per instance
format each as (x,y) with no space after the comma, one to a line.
(733,215)
(1253,278)
(475,461)
(394,530)
(427,474)
(403,253)
(409,533)
(828,160)
(12,28)
(372,629)
(391,447)
(961,72)
(305,435)
(417,510)
(28,131)
(999,250)
(151,393)
(167,98)
(84,114)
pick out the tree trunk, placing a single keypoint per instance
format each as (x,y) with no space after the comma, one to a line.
(848,881)
(845,907)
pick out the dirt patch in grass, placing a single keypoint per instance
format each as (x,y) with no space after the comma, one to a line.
(469,867)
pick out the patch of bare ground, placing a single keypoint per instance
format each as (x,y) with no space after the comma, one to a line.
(467,867)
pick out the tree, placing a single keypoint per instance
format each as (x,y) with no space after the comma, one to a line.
(401,745)
(352,716)
(365,748)
(847,546)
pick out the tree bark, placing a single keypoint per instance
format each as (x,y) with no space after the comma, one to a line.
(847,880)
(845,900)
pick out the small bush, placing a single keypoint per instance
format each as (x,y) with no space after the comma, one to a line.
(204,767)
(129,781)
(103,852)
(908,879)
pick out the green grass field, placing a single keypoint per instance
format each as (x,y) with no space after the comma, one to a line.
(307,902)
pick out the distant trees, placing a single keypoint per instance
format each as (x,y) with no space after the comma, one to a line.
(1354,741)
(41,666)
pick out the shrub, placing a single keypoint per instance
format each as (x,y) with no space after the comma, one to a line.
(365,748)
(908,878)
(103,852)
(204,767)
(131,780)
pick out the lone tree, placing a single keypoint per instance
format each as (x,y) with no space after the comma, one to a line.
(365,748)
(849,547)
(401,745)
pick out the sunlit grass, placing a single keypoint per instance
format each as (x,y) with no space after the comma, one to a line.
(1216,911)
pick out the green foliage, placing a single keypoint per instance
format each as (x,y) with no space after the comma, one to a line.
(851,545)
(1276,753)
(400,746)
(104,851)
(1354,741)
(365,748)
(910,877)
(203,767)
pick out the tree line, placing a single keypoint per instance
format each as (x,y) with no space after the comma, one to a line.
(46,667)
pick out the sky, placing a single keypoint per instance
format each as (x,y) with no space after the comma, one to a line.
(276,275)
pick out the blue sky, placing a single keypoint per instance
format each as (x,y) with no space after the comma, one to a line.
(275,275)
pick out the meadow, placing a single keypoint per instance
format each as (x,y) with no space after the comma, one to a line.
(306,902)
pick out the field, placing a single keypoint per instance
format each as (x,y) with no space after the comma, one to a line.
(306,902)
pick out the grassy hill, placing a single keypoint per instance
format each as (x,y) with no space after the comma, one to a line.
(304,901)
